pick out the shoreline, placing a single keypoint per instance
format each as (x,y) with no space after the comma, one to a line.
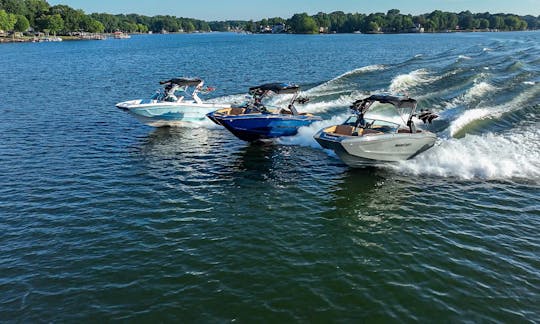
(31,39)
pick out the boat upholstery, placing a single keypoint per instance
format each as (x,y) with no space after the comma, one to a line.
(344,130)
(236,111)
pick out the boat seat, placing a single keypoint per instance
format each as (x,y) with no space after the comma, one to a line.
(344,130)
(367,131)
(236,111)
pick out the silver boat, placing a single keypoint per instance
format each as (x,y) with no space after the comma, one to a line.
(360,141)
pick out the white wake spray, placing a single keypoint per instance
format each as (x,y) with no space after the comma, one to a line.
(487,156)
(305,134)
(404,82)
(472,115)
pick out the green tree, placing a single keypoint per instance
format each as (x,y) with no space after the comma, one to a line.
(51,23)
(484,23)
(34,9)
(512,22)
(7,20)
(167,23)
(466,20)
(110,22)
(16,7)
(407,23)
(322,19)
(142,28)
(73,19)
(201,25)
(22,24)
(95,26)
(303,24)
(128,26)
(373,26)
(497,22)
(250,26)
(188,26)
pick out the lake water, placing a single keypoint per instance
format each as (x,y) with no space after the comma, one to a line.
(103,218)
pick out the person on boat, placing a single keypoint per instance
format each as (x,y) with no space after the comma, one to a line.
(256,106)
(360,122)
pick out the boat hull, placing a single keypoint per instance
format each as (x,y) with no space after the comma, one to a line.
(160,114)
(373,149)
(253,127)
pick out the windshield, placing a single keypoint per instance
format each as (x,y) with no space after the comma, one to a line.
(158,95)
(375,124)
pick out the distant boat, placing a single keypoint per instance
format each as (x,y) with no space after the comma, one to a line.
(92,36)
(121,35)
(50,39)
(169,107)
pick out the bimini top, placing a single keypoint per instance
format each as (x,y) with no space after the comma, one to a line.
(183,81)
(400,101)
(277,87)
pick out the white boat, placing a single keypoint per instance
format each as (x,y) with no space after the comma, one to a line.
(360,141)
(121,35)
(174,105)
(50,39)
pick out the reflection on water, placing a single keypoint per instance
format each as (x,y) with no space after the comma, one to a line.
(167,141)
(366,192)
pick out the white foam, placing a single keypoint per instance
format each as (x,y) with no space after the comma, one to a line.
(363,69)
(529,82)
(341,102)
(330,84)
(468,117)
(479,89)
(487,49)
(488,156)
(305,134)
(203,124)
(403,82)
(491,112)
(464,57)
(236,98)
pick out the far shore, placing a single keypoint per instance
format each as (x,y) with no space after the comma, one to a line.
(31,39)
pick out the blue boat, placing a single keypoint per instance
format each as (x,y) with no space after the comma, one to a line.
(254,121)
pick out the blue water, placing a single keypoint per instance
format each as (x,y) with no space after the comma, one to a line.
(103,218)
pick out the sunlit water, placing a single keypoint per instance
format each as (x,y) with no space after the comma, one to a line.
(103,218)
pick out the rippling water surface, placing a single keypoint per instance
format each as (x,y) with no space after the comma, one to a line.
(102,218)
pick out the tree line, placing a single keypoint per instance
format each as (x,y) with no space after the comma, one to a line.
(20,15)
(395,22)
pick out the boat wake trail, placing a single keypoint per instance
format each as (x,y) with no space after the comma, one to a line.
(404,82)
(472,115)
(487,156)
(355,72)
(305,134)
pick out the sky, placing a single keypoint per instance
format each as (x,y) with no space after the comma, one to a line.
(258,9)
